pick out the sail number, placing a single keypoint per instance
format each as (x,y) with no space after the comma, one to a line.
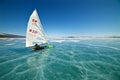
(33,31)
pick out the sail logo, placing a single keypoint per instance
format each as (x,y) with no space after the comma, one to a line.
(33,20)
(33,31)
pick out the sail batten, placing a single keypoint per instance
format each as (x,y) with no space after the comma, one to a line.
(35,33)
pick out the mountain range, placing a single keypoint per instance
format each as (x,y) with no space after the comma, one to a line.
(5,35)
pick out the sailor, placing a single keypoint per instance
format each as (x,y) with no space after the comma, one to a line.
(38,47)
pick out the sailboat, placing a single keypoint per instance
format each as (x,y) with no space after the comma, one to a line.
(35,33)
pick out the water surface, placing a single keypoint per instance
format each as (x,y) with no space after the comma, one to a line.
(93,59)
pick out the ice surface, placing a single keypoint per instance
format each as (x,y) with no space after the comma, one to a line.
(74,59)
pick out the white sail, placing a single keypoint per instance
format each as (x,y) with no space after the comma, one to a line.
(35,33)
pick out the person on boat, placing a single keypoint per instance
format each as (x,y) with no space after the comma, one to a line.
(38,47)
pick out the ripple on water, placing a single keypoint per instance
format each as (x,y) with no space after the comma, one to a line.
(83,60)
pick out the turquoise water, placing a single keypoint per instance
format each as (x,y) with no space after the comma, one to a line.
(95,59)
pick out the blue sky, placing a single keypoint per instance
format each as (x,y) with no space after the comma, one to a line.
(62,17)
